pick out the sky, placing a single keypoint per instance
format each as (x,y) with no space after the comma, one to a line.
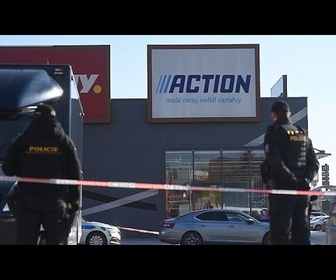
(309,61)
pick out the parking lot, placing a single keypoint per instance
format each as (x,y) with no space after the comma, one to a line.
(317,238)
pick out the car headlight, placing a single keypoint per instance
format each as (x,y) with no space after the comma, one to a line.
(113,230)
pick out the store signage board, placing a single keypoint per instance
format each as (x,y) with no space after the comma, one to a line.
(279,89)
(203,83)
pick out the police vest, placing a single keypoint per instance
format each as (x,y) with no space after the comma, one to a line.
(293,145)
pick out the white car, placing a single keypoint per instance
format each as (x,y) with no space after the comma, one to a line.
(316,223)
(96,233)
(318,214)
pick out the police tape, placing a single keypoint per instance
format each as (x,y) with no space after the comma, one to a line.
(139,230)
(156,186)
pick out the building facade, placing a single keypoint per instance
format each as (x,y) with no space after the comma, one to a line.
(215,155)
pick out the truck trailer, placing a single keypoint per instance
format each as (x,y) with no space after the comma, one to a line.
(22,88)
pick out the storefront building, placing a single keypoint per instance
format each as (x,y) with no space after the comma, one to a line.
(216,155)
(202,125)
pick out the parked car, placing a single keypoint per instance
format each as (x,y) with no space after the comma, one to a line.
(96,233)
(214,226)
(316,223)
(318,214)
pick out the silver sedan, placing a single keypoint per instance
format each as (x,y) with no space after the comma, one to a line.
(214,226)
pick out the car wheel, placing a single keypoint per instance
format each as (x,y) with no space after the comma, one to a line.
(191,238)
(267,239)
(318,227)
(96,238)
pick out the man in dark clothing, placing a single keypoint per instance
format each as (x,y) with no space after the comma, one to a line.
(293,165)
(44,151)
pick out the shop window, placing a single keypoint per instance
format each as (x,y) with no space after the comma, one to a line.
(214,169)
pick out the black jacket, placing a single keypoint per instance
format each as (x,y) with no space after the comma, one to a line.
(44,151)
(293,164)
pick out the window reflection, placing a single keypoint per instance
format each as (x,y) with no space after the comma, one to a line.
(214,169)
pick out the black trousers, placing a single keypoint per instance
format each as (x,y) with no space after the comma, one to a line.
(42,210)
(289,222)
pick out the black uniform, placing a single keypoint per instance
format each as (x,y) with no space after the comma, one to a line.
(44,151)
(293,165)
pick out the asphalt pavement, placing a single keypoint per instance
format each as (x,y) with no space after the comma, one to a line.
(142,241)
(317,238)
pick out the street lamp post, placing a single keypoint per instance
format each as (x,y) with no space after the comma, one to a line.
(321,154)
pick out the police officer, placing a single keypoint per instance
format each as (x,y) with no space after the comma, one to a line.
(293,165)
(44,151)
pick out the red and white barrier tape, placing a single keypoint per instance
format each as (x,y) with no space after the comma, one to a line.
(159,187)
(134,185)
(139,230)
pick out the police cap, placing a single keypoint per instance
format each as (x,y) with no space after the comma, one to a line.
(44,110)
(280,106)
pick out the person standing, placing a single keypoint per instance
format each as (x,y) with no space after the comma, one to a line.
(207,204)
(293,165)
(263,217)
(44,150)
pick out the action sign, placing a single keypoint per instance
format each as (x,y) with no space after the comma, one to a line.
(203,83)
